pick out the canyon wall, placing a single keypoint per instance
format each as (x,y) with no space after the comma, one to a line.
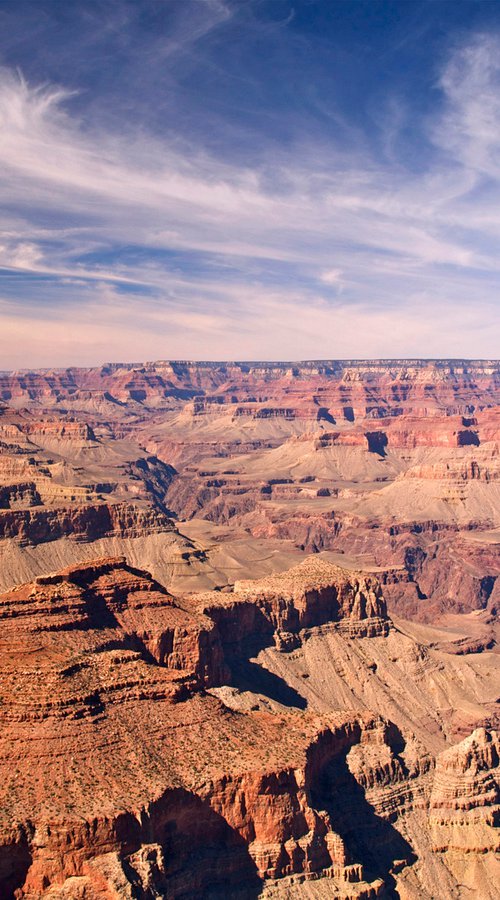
(224,788)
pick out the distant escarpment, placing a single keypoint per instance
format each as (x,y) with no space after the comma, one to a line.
(399,381)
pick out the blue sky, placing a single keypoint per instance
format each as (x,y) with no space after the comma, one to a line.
(248,179)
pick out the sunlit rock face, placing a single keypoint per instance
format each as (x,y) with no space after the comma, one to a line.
(147,749)
(249,630)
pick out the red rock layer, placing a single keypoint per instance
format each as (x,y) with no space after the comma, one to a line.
(122,775)
(343,388)
(312,593)
(81,523)
(465,799)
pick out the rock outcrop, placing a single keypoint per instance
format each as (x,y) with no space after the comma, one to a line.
(465,799)
(130,766)
(81,523)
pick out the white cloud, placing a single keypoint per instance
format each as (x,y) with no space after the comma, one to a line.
(332,276)
(22,255)
(470,129)
(107,329)
(405,245)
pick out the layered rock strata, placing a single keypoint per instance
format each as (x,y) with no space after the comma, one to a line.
(394,464)
(131,766)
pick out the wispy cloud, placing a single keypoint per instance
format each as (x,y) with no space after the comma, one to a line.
(470,128)
(308,252)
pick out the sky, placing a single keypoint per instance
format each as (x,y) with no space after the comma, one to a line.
(248,180)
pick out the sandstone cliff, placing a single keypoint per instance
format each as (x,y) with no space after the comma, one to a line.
(132,767)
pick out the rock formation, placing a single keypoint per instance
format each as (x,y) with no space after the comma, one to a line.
(133,764)
(249,630)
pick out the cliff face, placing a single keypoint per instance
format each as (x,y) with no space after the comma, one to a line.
(402,380)
(315,592)
(311,594)
(465,812)
(235,834)
(109,605)
(132,764)
(465,799)
(81,523)
(49,428)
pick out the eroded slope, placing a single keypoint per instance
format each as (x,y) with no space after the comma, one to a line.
(146,752)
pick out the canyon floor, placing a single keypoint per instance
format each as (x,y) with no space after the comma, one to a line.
(249,639)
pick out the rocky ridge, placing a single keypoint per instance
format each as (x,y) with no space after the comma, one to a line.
(134,765)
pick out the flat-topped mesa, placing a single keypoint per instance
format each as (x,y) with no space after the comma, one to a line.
(57,430)
(83,616)
(86,522)
(316,592)
(61,430)
(286,605)
(465,800)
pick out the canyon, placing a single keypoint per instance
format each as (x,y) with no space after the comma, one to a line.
(249,639)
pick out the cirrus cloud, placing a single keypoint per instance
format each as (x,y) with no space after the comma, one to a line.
(306,252)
